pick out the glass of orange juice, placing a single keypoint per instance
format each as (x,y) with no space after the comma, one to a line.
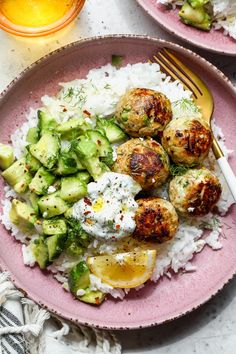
(34,18)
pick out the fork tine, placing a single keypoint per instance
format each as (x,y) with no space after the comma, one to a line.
(182,76)
(206,93)
(164,67)
(181,67)
(171,70)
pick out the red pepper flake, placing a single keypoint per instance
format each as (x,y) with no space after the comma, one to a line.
(117,227)
(97,300)
(87,113)
(87,212)
(99,142)
(89,221)
(87,201)
(64,109)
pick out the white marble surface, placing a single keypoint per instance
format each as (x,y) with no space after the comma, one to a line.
(212,328)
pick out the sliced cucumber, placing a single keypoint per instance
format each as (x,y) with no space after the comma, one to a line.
(46,150)
(79,277)
(22,215)
(84,148)
(103,146)
(6,156)
(84,176)
(72,189)
(68,163)
(52,205)
(95,167)
(32,136)
(34,198)
(46,123)
(71,129)
(55,245)
(54,226)
(40,252)
(32,163)
(41,181)
(93,297)
(113,132)
(18,176)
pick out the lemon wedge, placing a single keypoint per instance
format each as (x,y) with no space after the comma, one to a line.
(124,270)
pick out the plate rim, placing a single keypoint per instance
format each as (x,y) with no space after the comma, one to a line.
(3,266)
(145,7)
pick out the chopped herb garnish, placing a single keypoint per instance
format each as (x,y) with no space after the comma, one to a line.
(69,93)
(213,224)
(178,170)
(146,120)
(116,60)
(186,183)
(110,223)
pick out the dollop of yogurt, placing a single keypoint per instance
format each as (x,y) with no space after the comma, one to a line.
(108,210)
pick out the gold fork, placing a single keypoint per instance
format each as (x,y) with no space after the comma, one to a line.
(203,98)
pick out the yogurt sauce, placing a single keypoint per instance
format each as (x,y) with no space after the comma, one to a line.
(108,210)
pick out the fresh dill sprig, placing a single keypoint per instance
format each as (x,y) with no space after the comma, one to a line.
(178,170)
(69,93)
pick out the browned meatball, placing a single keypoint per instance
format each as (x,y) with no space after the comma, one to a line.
(145,160)
(187,141)
(195,193)
(143,112)
(156,220)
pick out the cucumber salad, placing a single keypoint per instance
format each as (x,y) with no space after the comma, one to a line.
(112,183)
(206,14)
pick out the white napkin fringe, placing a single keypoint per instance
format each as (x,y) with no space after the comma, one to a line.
(7,289)
(43,337)
(103,343)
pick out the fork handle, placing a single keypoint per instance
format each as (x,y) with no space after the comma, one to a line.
(228,174)
(225,167)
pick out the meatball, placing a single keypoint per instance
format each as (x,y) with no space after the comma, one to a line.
(143,112)
(156,220)
(195,193)
(143,159)
(187,141)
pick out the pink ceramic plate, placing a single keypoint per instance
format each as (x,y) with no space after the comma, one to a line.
(155,303)
(214,40)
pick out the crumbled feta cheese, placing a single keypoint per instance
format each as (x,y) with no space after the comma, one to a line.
(88,120)
(190,209)
(80,292)
(114,153)
(51,189)
(97,284)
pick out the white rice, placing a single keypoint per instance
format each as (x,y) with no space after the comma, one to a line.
(98,94)
(18,138)
(224,14)
(28,257)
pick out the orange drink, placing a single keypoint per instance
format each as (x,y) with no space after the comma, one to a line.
(37,17)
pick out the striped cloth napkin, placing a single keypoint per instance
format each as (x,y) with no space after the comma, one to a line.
(12,343)
(25,328)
